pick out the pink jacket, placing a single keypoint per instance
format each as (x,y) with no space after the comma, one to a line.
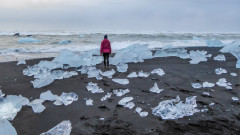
(105,46)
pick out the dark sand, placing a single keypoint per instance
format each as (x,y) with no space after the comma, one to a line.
(222,118)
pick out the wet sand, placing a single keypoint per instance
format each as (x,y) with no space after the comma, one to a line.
(221,118)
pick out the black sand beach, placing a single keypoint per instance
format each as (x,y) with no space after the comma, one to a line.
(221,118)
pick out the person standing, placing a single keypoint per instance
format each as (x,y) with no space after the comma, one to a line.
(106,50)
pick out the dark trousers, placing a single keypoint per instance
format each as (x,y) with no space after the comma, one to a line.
(106,59)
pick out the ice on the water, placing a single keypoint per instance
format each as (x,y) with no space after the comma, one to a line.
(37,105)
(174,108)
(21,62)
(108,73)
(233,74)
(220,57)
(198,56)
(220,71)
(121,92)
(132,75)
(125,100)
(143,74)
(158,71)
(214,43)
(48,96)
(235,98)
(207,84)
(66,98)
(121,81)
(65,42)
(155,89)
(223,83)
(6,128)
(63,128)
(94,88)
(108,95)
(11,105)
(89,102)
(28,40)
(196,85)
(121,67)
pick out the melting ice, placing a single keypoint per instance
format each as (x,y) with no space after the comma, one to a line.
(143,74)
(220,71)
(89,102)
(122,67)
(132,75)
(37,105)
(63,128)
(207,84)
(94,88)
(198,56)
(108,95)
(155,89)
(223,83)
(158,71)
(220,57)
(66,98)
(196,85)
(21,62)
(121,92)
(121,81)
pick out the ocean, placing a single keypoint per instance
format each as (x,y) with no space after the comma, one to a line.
(12,50)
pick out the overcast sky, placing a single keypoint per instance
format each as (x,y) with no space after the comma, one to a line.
(121,15)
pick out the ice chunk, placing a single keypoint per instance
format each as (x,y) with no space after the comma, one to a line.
(207,84)
(121,81)
(234,49)
(132,75)
(28,40)
(84,69)
(223,83)
(138,109)
(170,51)
(125,100)
(214,43)
(1,94)
(133,53)
(122,67)
(121,92)
(37,105)
(204,110)
(49,64)
(143,114)
(94,73)
(174,108)
(155,89)
(206,93)
(21,62)
(39,83)
(235,98)
(66,98)
(108,95)
(220,57)
(211,104)
(158,71)
(65,42)
(63,128)
(233,74)
(89,102)
(198,56)
(143,74)
(196,85)
(94,88)
(130,105)
(6,128)
(11,105)
(220,71)
(183,55)
(109,73)
(48,96)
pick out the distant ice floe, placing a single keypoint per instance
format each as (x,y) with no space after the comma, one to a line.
(196,85)
(66,98)
(107,96)
(89,102)
(139,111)
(65,42)
(235,98)
(214,43)
(21,62)
(121,81)
(122,67)
(155,89)
(220,57)
(63,128)
(126,102)
(223,83)
(174,108)
(6,128)
(108,73)
(220,71)
(121,92)
(207,84)
(94,88)
(28,40)
(233,74)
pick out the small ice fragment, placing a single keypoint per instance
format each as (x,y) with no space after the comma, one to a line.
(95,73)
(66,98)
(21,62)
(220,71)
(220,57)
(223,83)
(229,87)
(204,110)
(143,74)
(39,83)
(125,100)
(101,119)
(109,73)
(143,114)
(196,85)
(6,128)
(37,105)
(94,88)
(108,95)
(198,56)
(48,96)
(155,89)
(89,102)
(130,105)
(207,84)
(158,71)
(121,81)
(1,94)
(138,109)
(211,104)
(121,92)
(233,74)
(122,67)
(63,128)
(235,98)
(206,93)
(132,75)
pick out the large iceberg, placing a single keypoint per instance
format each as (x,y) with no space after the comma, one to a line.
(174,108)
(63,128)
(220,71)
(28,40)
